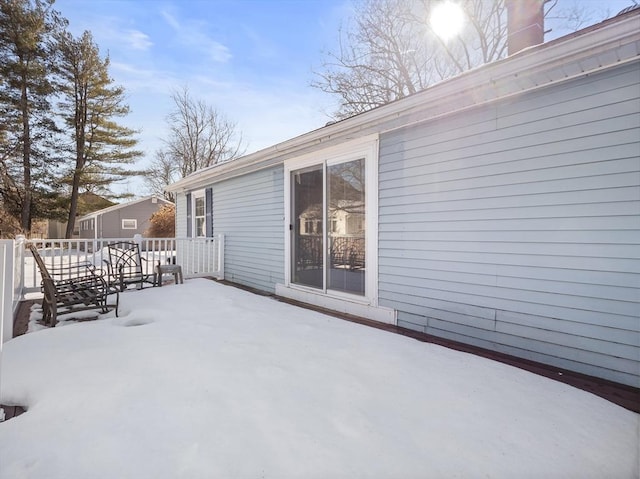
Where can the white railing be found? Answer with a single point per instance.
(196, 256)
(11, 268)
(4, 246)
(11, 274)
(6, 286)
(19, 274)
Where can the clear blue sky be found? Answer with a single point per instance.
(252, 59)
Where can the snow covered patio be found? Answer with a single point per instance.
(204, 380)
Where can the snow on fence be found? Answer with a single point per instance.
(197, 256)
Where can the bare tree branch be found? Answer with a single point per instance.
(199, 136)
(390, 50)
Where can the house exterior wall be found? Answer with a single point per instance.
(109, 223)
(56, 229)
(86, 228)
(508, 205)
(515, 226)
(181, 216)
(249, 211)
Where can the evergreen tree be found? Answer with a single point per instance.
(100, 147)
(25, 118)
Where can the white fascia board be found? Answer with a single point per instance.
(89, 216)
(532, 68)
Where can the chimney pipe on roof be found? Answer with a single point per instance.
(525, 24)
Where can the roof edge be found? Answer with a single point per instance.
(120, 205)
(524, 65)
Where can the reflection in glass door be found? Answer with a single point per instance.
(346, 219)
(308, 256)
(328, 224)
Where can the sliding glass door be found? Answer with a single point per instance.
(329, 226)
(308, 250)
(346, 231)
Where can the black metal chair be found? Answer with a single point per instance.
(126, 266)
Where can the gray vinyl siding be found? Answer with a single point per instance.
(108, 222)
(516, 226)
(249, 211)
(111, 222)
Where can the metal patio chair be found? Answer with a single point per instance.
(69, 288)
(126, 266)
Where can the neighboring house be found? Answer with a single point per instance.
(501, 207)
(120, 221)
(87, 203)
(56, 229)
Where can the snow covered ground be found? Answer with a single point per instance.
(203, 380)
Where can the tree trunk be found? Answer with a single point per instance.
(25, 217)
(80, 121)
(73, 206)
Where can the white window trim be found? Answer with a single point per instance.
(135, 224)
(194, 195)
(367, 305)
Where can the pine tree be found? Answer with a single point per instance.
(25, 118)
(100, 147)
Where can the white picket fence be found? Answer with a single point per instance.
(19, 274)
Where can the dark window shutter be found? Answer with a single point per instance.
(189, 217)
(208, 201)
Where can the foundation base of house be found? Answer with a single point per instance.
(339, 305)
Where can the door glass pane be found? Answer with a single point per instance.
(308, 262)
(346, 220)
